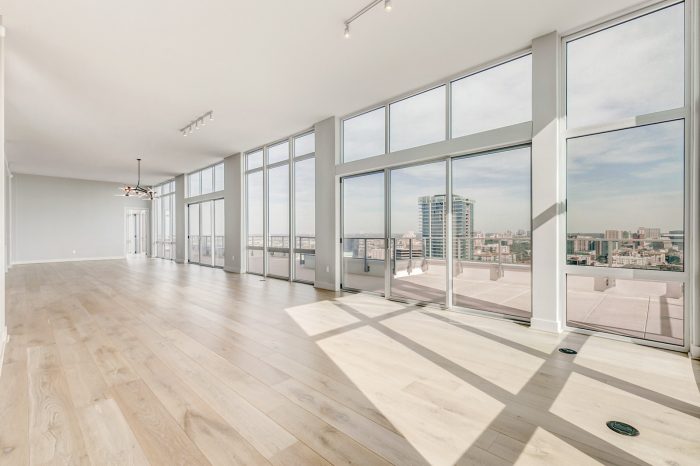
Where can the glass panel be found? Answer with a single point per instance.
(651, 310)
(254, 160)
(278, 264)
(305, 144)
(219, 177)
(194, 188)
(625, 198)
(630, 69)
(364, 135)
(364, 246)
(173, 214)
(193, 232)
(219, 233)
(494, 98)
(205, 233)
(492, 246)
(165, 189)
(167, 226)
(417, 120)
(278, 220)
(255, 261)
(305, 216)
(418, 241)
(278, 153)
(254, 209)
(207, 180)
(305, 267)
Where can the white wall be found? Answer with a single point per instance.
(52, 217)
(3, 329)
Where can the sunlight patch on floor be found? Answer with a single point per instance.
(506, 367)
(667, 436)
(675, 370)
(386, 372)
(320, 317)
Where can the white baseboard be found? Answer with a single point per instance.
(545, 325)
(695, 351)
(325, 286)
(72, 259)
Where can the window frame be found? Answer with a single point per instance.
(383, 159)
(689, 176)
(290, 161)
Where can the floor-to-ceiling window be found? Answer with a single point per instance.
(305, 208)
(278, 210)
(205, 216)
(458, 220)
(280, 205)
(626, 172)
(163, 218)
(255, 216)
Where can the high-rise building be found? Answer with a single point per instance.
(431, 214)
(613, 234)
(649, 233)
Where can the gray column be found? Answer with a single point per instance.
(180, 220)
(547, 304)
(327, 205)
(234, 250)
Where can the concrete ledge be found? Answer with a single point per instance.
(551, 326)
(72, 259)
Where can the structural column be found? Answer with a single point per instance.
(234, 247)
(327, 205)
(3, 250)
(180, 220)
(547, 189)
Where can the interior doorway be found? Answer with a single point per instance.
(136, 232)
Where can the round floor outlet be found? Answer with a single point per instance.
(622, 428)
(568, 351)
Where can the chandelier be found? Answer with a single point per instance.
(142, 192)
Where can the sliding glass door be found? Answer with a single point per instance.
(193, 233)
(477, 257)
(206, 233)
(364, 243)
(419, 232)
(492, 245)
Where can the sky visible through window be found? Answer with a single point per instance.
(627, 70)
(498, 184)
(623, 180)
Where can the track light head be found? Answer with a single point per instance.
(387, 5)
(347, 31)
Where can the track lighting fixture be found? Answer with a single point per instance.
(197, 123)
(369, 6)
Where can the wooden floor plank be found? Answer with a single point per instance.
(160, 437)
(54, 432)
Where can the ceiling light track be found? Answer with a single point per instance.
(368, 7)
(197, 123)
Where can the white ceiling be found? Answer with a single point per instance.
(91, 85)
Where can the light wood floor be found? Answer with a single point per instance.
(149, 362)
